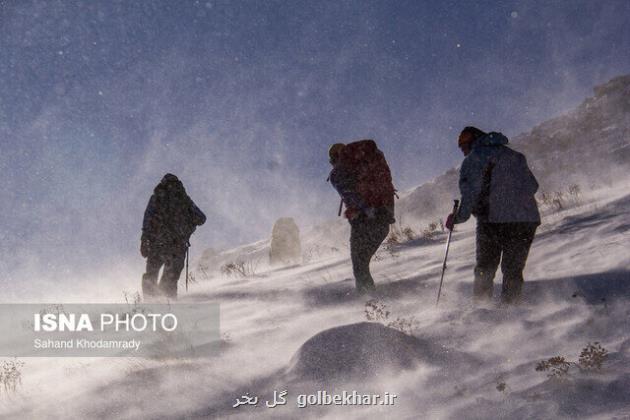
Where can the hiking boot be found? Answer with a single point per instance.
(169, 289)
(363, 289)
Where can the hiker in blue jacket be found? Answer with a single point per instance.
(497, 187)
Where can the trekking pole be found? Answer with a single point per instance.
(187, 248)
(448, 243)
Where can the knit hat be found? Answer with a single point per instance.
(169, 178)
(334, 151)
(468, 135)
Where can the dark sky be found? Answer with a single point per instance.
(241, 99)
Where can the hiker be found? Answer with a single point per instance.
(170, 219)
(362, 178)
(498, 188)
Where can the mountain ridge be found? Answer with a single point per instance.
(555, 150)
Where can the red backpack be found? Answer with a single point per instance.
(373, 177)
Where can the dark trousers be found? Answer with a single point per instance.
(366, 235)
(173, 263)
(507, 243)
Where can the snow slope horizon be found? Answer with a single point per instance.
(39, 279)
(588, 147)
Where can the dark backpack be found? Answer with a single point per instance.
(367, 164)
(507, 189)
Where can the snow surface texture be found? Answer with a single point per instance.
(303, 329)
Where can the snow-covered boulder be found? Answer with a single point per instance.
(357, 351)
(285, 242)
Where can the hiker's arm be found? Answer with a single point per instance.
(345, 186)
(470, 183)
(148, 227)
(150, 222)
(198, 217)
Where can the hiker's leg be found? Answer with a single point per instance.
(365, 238)
(173, 267)
(488, 258)
(149, 278)
(517, 240)
(360, 255)
(378, 231)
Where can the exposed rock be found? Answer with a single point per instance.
(285, 242)
(363, 350)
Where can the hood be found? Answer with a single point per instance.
(169, 183)
(491, 139)
(168, 178)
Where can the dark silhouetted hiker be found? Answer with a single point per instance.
(498, 188)
(362, 178)
(170, 219)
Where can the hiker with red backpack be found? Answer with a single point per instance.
(362, 178)
(498, 188)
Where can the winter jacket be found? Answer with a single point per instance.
(496, 184)
(363, 179)
(344, 181)
(170, 218)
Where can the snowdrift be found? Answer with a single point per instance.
(356, 350)
(361, 351)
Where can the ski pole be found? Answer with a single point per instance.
(448, 243)
(340, 207)
(187, 248)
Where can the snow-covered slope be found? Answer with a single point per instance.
(302, 329)
(587, 148)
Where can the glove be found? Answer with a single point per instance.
(450, 222)
(144, 247)
(351, 214)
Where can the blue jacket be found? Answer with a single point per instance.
(496, 184)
